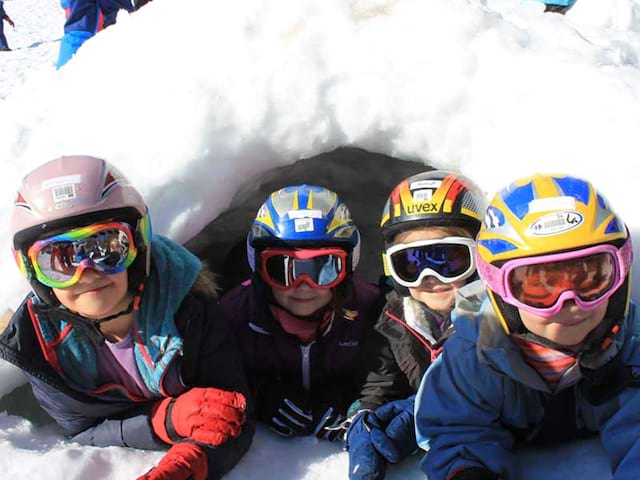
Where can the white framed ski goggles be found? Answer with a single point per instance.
(448, 259)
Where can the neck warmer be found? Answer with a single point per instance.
(306, 330)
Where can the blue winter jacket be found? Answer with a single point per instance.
(480, 393)
(178, 332)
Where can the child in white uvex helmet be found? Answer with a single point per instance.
(429, 223)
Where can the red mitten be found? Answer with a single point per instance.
(183, 461)
(206, 415)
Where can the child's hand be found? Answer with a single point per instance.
(397, 440)
(365, 462)
(183, 461)
(206, 415)
(284, 408)
(330, 423)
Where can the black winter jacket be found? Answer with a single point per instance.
(328, 368)
(397, 355)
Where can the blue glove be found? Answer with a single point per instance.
(365, 463)
(375, 438)
(398, 440)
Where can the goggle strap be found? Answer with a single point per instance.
(386, 264)
(137, 299)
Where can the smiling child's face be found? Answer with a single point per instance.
(432, 292)
(569, 327)
(96, 295)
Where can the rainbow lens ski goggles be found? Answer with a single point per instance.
(542, 284)
(287, 268)
(448, 259)
(58, 261)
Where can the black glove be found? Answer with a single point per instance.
(330, 410)
(329, 422)
(285, 408)
(475, 473)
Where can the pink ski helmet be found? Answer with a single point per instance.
(71, 192)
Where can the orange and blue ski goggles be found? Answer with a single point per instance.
(58, 261)
(288, 268)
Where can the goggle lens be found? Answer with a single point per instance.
(540, 285)
(446, 259)
(58, 261)
(321, 268)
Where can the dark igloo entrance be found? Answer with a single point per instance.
(362, 179)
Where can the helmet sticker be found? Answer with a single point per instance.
(421, 184)
(304, 225)
(63, 189)
(424, 195)
(556, 223)
(304, 213)
(63, 193)
(60, 181)
(553, 203)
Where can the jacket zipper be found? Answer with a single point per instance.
(306, 366)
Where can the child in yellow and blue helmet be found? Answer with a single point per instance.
(550, 350)
(301, 317)
(429, 223)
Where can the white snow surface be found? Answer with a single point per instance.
(194, 99)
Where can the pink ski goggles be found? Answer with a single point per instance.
(542, 284)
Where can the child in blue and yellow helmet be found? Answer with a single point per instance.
(301, 317)
(549, 351)
(428, 223)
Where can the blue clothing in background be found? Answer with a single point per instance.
(84, 19)
(3, 40)
(558, 3)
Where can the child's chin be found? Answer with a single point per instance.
(438, 301)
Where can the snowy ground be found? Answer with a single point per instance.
(194, 100)
(35, 42)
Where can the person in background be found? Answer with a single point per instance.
(301, 317)
(84, 18)
(127, 349)
(429, 224)
(557, 6)
(550, 350)
(4, 46)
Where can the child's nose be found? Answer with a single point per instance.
(89, 274)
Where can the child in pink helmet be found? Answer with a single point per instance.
(121, 338)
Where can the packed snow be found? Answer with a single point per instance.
(194, 100)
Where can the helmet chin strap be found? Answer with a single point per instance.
(91, 326)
